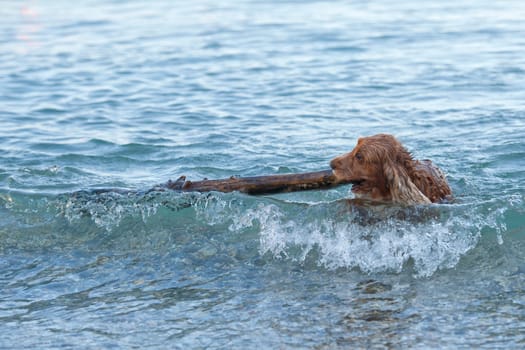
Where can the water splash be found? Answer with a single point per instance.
(380, 240)
(382, 246)
(334, 234)
(330, 234)
(108, 209)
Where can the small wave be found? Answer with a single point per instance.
(334, 234)
(385, 246)
(374, 239)
(108, 208)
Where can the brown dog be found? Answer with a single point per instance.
(381, 169)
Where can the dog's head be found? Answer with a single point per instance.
(378, 168)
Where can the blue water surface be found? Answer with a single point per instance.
(128, 94)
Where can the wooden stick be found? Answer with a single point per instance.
(260, 184)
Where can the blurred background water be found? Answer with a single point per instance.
(128, 94)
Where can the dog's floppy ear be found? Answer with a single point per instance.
(401, 187)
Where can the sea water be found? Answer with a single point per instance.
(128, 94)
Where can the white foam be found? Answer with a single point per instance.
(429, 239)
(373, 240)
(384, 246)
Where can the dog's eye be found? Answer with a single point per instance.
(359, 157)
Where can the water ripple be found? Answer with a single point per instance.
(126, 95)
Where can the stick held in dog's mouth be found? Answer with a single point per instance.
(267, 184)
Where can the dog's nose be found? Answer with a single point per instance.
(335, 163)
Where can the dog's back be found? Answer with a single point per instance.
(431, 181)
